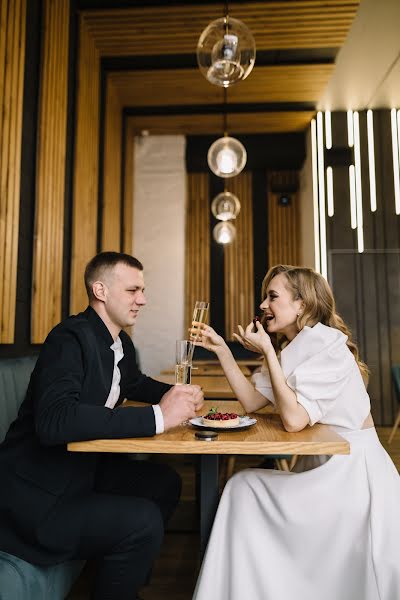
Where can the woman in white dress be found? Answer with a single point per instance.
(330, 530)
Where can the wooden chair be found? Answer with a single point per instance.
(396, 384)
(283, 462)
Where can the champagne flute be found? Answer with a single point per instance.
(200, 315)
(183, 364)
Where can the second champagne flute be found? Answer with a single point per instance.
(183, 365)
(200, 315)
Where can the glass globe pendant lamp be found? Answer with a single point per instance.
(226, 51)
(227, 157)
(225, 206)
(224, 233)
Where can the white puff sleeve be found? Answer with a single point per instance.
(262, 382)
(320, 380)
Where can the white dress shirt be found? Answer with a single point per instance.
(113, 396)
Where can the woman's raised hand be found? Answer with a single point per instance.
(205, 336)
(258, 341)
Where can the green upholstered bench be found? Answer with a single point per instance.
(20, 580)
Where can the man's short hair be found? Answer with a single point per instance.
(106, 261)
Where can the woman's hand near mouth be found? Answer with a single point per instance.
(256, 342)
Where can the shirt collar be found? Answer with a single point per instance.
(117, 345)
(99, 326)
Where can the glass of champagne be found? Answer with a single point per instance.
(183, 365)
(200, 315)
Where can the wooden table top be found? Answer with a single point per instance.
(213, 386)
(266, 437)
(209, 370)
(249, 362)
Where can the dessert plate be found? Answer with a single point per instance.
(243, 424)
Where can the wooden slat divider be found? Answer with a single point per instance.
(50, 164)
(197, 265)
(127, 223)
(239, 259)
(12, 60)
(86, 165)
(111, 214)
(12, 134)
(283, 221)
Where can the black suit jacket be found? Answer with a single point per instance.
(65, 402)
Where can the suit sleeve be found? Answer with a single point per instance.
(138, 386)
(60, 415)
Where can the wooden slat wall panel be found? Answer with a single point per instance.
(201, 124)
(279, 83)
(283, 223)
(239, 260)
(12, 59)
(86, 166)
(127, 223)
(176, 29)
(111, 225)
(50, 182)
(197, 266)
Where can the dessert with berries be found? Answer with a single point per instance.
(218, 419)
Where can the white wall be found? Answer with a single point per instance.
(159, 242)
(307, 210)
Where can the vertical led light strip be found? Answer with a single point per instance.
(395, 148)
(329, 192)
(357, 160)
(397, 205)
(315, 194)
(371, 159)
(352, 177)
(328, 130)
(321, 195)
(329, 171)
(353, 208)
(350, 128)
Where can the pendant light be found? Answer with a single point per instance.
(227, 156)
(225, 206)
(226, 51)
(224, 233)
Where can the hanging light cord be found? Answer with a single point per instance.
(225, 112)
(225, 123)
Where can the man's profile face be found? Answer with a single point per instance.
(124, 294)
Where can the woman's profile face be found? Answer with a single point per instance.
(280, 309)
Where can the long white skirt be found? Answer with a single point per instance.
(329, 533)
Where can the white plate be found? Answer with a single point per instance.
(243, 424)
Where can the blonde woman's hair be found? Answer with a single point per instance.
(319, 305)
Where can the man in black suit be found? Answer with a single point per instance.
(56, 505)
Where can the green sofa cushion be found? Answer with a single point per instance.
(20, 580)
(14, 379)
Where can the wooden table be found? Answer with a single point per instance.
(266, 437)
(214, 386)
(209, 370)
(250, 362)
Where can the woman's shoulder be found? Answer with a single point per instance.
(325, 334)
(317, 343)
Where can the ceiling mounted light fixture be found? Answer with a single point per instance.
(225, 206)
(226, 51)
(224, 233)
